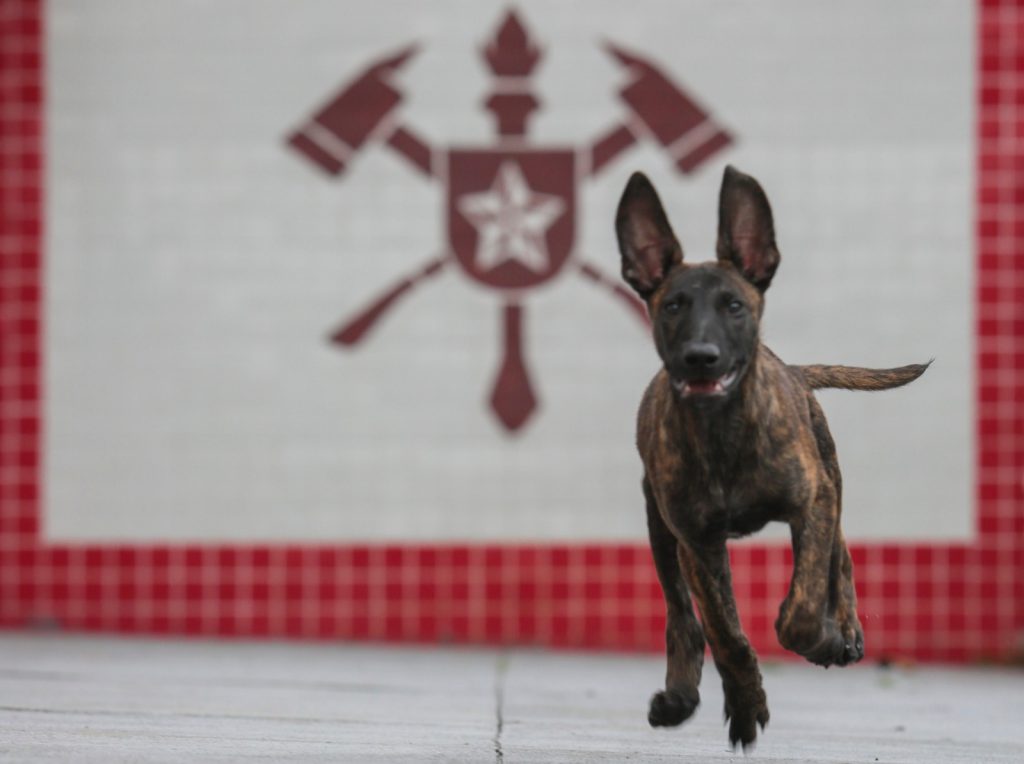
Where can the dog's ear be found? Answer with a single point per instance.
(649, 248)
(746, 233)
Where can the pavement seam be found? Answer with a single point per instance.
(501, 671)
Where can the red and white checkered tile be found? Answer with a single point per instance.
(946, 601)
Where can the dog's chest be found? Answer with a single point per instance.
(717, 506)
(729, 498)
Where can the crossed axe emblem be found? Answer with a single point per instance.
(511, 207)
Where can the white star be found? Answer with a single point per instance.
(511, 221)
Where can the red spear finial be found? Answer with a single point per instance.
(511, 55)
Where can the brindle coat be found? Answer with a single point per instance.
(732, 438)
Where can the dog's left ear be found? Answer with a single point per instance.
(648, 247)
(746, 233)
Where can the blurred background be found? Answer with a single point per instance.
(312, 322)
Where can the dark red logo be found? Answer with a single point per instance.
(511, 207)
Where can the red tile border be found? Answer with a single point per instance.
(950, 602)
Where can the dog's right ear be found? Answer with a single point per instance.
(649, 248)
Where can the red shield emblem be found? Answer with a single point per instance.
(510, 209)
(511, 214)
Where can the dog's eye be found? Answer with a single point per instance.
(735, 307)
(671, 307)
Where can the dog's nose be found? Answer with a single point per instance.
(700, 355)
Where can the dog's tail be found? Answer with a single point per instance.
(856, 378)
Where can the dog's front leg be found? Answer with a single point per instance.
(707, 569)
(684, 638)
(805, 624)
(844, 601)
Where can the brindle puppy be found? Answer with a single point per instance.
(732, 438)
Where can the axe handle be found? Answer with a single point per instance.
(610, 145)
(353, 330)
(630, 300)
(408, 145)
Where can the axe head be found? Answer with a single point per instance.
(340, 128)
(668, 112)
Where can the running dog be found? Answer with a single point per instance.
(732, 438)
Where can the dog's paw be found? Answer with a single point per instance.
(853, 643)
(670, 708)
(745, 715)
(825, 643)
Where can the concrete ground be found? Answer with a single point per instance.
(103, 699)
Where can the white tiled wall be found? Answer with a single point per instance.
(195, 266)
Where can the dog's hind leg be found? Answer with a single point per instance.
(707, 569)
(684, 638)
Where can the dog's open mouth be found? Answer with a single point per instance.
(698, 387)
